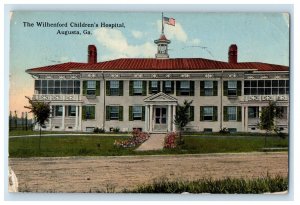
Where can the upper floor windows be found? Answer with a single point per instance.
(266, 87)
(208, 88)
(137, 87)
(57, 87)
(91, 88)
(168, 87)
(232, 88)
(114, 88)
(186, 88)
(154, 87)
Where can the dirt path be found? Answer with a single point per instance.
(84, 174)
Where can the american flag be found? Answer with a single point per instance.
(169, 21)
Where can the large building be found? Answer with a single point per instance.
(143, 93)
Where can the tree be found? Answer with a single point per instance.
(16, 119)
(267, 118)
(10, 121)
(182, 117)
(41, 113)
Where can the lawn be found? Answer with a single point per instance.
(102, 145)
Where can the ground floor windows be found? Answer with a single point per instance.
(88, 112)
(71, 110)
(57, 110)
(136, 113)
(253, 112)
(114, 113)
(208, 113)
(232, 113)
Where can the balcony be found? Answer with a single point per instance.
(56, 97)
(266, 98)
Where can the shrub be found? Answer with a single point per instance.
(224, 131)
(99, 130)
(137, 138)
(170, 140)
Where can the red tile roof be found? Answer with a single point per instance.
(145, 64)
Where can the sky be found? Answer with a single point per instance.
(260, 37)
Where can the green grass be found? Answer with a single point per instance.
(223, 186)
(102, 145)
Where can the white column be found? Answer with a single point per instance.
(50, 118)
(79, 117)
(146, 118)
(76, 118)
(174, 112)
(150, 118)
(169, 118)
(63, 118)
(246, 118)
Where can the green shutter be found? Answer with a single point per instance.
(120, 113)
(239, 88)
(225, 115)
(121, 88)
(149, 87)
(97, 88)
(177, 88)
(107, 113)
(130, 114)
(158, 86)
(143, 113)
(239, 113)
(84, 86)
(107, 88)
(201, 113)
(192, 88)
(131, 88)
(215, 83)
(92, 112)
(215, 113)
(202, 88)
(172, 87)
(225, 88)
(144, 92)
(83, 115)
(192, 113)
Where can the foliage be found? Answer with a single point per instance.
(224, 131)
(137, 138)
(99, 130)
(268, 115)
(170, 140)
(182, 116)
(219, 186)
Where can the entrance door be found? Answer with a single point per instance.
(160, 119)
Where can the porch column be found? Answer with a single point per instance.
(169, 118)
(76, 118)
(50, 118)
(146, 118)
(80, 116)
(246, 118)
(150, 118)
(174, 113)
(63, 117)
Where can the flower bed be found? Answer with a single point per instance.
(170, 140)
(137, 138)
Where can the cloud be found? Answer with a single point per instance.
(173, 32)
(137, 34)
(117, 44)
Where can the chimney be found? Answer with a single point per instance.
(92, 54)
(232, 53)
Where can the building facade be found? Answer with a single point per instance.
(143, 92)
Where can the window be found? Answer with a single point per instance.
(283, 110)
(266, 87)
(57, 87)
(253, 112)
(114, 87)
(231, 113)
(208, 88)
(137, 112)
(168, 87)
(37, 86)
(232, 88)
(76, 86)
(58, 110)
(114, 112)
(137, 87)
(208, 113)
(154, 86)
(88, 112)
(91, 87)
(71, 110)
(184, 88)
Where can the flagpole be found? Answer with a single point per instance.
(162, 22)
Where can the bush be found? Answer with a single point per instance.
(137, 138)
(224, 131)
(170, 140)
(99, 130)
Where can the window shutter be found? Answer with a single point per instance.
(225, 88)
(239, 88)
(84, 86)
(149, 87)
(108, 88)
(107, 113)
(121, 88)
(177, 88)
(130, 114)
(192, 88)
(215, 88)
(97, 88)
(225, 115)
(172, 87)
(202, 88)
(120, 113)
(215, 113)
(92, 110)
(131, 88)
(239, 113)
(143, 113)
(192, 113)
(83, 115)
(201, 113)
(158, 86)
(144, 92)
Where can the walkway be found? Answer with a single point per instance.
(155, 142)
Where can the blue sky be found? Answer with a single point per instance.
(260, 37)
